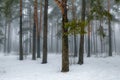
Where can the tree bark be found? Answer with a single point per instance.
(110, 31)
(20, 37)
(74, 18)
(65, 58)
(44, 60)
(81, 49)
(35, 30)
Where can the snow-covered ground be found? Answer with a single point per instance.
(93, 69)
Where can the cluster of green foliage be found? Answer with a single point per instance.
(101, 32)
(117, 1)
(6, 8)
(98, 11)
(76, 27)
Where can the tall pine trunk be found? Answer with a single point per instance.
(20, 37)
(110, 31)
(65, 58)
(89, 52)
(81, 49)
(44, 60)
(74, 18)
(35, 30)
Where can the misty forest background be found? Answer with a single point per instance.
(73, 28)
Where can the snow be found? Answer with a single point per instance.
(94, 68)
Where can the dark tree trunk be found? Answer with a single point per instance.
(89, 32)
(88, 55)
(39, 32)
(44, 60)
(34, 42)
(38, 45)
(20, 37)
(74, 18)
(110, 38)
(65, 58)
(81, 50)
(110, 31)
(35, 30)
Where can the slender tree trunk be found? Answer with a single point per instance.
(88, 55)
(44, 60)
(39, 31)
(81, 50)
(51, 47)
(20, 37)
(74, 18)
(34, 43)
(8, 44)
(114, 41)
(89, 52)
(57, 42)
(5, 36)
(95, 39)
(110, 31)
(30, 36)
(35, 30)
(101, 37)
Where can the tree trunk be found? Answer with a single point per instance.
(88, 55)
(44, 60)
(35, 30)
(81, 49)
(65, 58)
(110, 31)
(20, 37)
(5, 36)
(30, 36)
(8, 44)
(74, 18)
(89, 36)
(39, 31)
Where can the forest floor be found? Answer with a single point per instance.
(94, 68)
